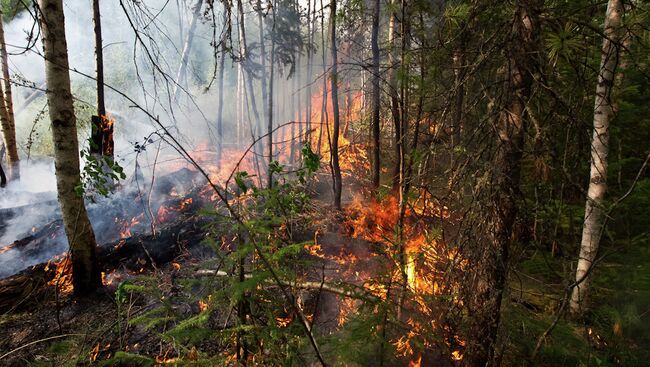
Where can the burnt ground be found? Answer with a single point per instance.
(48, 328)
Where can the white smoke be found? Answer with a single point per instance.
(128, 67)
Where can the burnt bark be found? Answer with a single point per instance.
(336, 169)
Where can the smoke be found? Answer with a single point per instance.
(142, 64)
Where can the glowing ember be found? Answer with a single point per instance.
(456, 355)
(283, 321)
(202, 305)
(416, 362)
(94, 353)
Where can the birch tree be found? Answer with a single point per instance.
(7, 110)
(594, 211)
(86, 275)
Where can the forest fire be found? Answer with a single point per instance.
(166, 213)
(126, 226)
(352, 153)
(378, 222)
(295, 183)
(62, 278)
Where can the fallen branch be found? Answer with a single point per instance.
(300, 285)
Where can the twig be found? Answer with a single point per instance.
(36, 342)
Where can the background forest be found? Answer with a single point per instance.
(345, 183)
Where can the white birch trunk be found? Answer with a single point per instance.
(6, 104)
(594, 211)
(85, 270)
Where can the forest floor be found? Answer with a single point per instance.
(58, 330)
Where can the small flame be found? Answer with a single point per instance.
(94, 353)
(416, 362)
(283, 321)
(456, 355)
(202, 305)
(62, 279)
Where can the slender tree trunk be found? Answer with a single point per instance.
(594, 211)
(6, 104)
(348, 108)
(393, 93)
(3, 177)
(404, 118)
(376, 167)
(335, 110)
(103, 136)
(243, 55)
(310, 55)
(97, 122)
(269, 127)
(458, 60)
(491, 259)
(248, 79)
(181, 75)
(222, 64)
(299, 110)
(324, 116)
(220, 108)
(260, 21)
(85, 269)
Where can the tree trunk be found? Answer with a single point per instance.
(491, 262)
(222, 64)
(85, 269)
(324, 116)
(97, 122)
(458, 60)
(3, 177)
(260, 21)
(310, 55)
(181, 76)
(247, 77)
(594, 211)
(269, 127)
(375, 95)
(7, 116)
(335, 111)
(392, 91)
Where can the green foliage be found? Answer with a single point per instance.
(246, 285)
(281, 29)
(565, 43)
(457, 13)
(99, 173)
(130, 359)
(11, 8)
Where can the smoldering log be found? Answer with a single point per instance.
(28, 287)
(45, 235)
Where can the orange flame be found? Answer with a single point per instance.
(62, 279)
